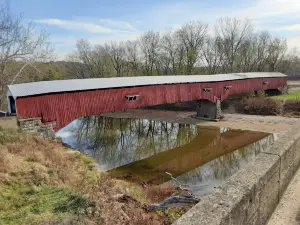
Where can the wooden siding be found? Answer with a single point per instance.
(65, 107)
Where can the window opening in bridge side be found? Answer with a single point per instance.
(132, 97)
(206, 89)
(227, 88)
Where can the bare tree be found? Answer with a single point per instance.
(90, 61)
(132, 57)
(276, 52)
(101, 62)
(149, 45)
(80, 60)
(171, 53)
(212, 55)
(21, 43)
(192, 36)
(261, 52)
(116, 53)
(232, 33)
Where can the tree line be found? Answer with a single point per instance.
(231, 46)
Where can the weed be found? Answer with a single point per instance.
(74, 204)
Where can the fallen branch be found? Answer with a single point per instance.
(180, 185)
(171, 202)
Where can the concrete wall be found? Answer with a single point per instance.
(36, 127)
(250, 196)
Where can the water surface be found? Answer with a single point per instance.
(141, 150)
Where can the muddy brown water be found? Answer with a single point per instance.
(141, 150)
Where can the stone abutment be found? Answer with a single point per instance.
(36, 127)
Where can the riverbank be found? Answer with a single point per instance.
(43, 182)
(271, 124)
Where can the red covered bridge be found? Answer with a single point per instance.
(63, 101)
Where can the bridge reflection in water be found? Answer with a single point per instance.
(142, 150)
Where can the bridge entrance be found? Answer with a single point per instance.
(12, 105)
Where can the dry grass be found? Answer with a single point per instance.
(158, 193)
(42, 182)
(9, 122)
(291, 108)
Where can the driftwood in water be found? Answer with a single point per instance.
(188, 198)
(172, 201)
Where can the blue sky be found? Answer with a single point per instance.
(100, 21)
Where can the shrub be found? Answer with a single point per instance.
(259, 106)
(291, 107)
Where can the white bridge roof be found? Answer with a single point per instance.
(56, 86)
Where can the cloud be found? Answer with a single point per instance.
(263, 13)
(89, 27)
(294, 27)
(278, 16)
(118, 24)
(271, 8)
(294, 42)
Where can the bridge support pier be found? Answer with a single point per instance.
(284, 90)
(208, 110)
(36, 127)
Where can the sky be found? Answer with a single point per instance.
(102, 21)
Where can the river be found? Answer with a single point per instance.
(142, 150)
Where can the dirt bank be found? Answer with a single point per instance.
(42, 182)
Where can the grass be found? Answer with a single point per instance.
(43, 182)
(292, 96)
(35, 205)
(8, 122)
(39, 181)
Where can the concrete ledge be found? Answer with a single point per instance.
(29, 119)
(251, 195)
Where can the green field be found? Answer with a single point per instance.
(292, 96)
